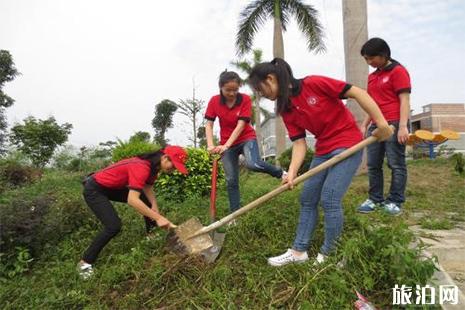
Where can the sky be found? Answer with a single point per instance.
(103, 65)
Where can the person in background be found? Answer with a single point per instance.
(234, 111)
(390, 87)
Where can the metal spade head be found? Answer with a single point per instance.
(179, 240)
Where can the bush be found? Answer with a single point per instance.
(459, 163)
(285, 160)
(196, 184)
(16, 174)
(126, 149)
(37, 218)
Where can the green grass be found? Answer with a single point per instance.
(135, 273)
(436, 224)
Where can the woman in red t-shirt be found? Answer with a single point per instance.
(131, 181)
(234, 111)
(314, 104)
(389, 85)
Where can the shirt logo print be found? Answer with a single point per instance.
(385, 79)
(312, 100)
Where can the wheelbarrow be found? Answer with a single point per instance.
(191, 237)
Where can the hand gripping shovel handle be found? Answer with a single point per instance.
(329, 163)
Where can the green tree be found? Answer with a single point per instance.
(7, 74)
(38, 139)
(163, 120)
(140, 136)
(253, 17)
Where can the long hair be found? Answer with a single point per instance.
(284, 76)
(155, 161)
(376, 47)
(228, 76)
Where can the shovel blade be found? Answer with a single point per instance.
(212, 253)
(179, 242)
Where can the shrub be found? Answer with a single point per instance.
(459, 163)
(30, 226)
(16, 174)
(196, 184)
(126, 149)
(285, 160)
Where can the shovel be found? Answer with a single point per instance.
(212, 253)
(192, 238)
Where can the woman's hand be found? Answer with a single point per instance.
(383, 132)
(162, 222)
(289, 179)
(220, 149)
(402, 134)
(211, 149)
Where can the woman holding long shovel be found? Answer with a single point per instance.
(234, 111)
(314, 104)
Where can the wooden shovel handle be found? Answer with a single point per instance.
(331, 162)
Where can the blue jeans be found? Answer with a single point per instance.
(329, 186)
(395, 153)
(230, 161)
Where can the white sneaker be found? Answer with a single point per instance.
(287, 258)
(320, 259)
(85, 270)
(284, 175)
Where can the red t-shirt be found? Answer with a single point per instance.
(385, 85)
(316, 106)
(133, 173)
(229, 117)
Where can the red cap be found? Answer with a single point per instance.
(178, 157)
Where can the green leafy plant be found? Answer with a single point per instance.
(38, 139)
(285, 160)
(459, 163)
(126, 149)
(196, 184)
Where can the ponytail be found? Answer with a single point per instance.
(284, 77)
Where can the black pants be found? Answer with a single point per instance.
(98, 199)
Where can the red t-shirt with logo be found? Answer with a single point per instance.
(133, 173)
(385, 85)
(316, 106)
(229, 117)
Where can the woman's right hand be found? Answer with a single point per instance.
(211, 149)
(383, 132)
(162, 222)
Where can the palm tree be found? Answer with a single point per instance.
(354, 16)
(254, 15)
(246, 66)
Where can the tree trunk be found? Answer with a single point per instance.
(278, 51)
(355, 35)
(258, 129)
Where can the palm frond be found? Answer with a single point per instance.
(251, 19)
(307, 20)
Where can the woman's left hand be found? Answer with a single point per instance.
(222, 148)
(402, 134)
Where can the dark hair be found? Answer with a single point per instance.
(155, 161)
(283, 73)
(376, 47)
(228, 76)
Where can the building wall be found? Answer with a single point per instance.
(269, 140)
(440, 116)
